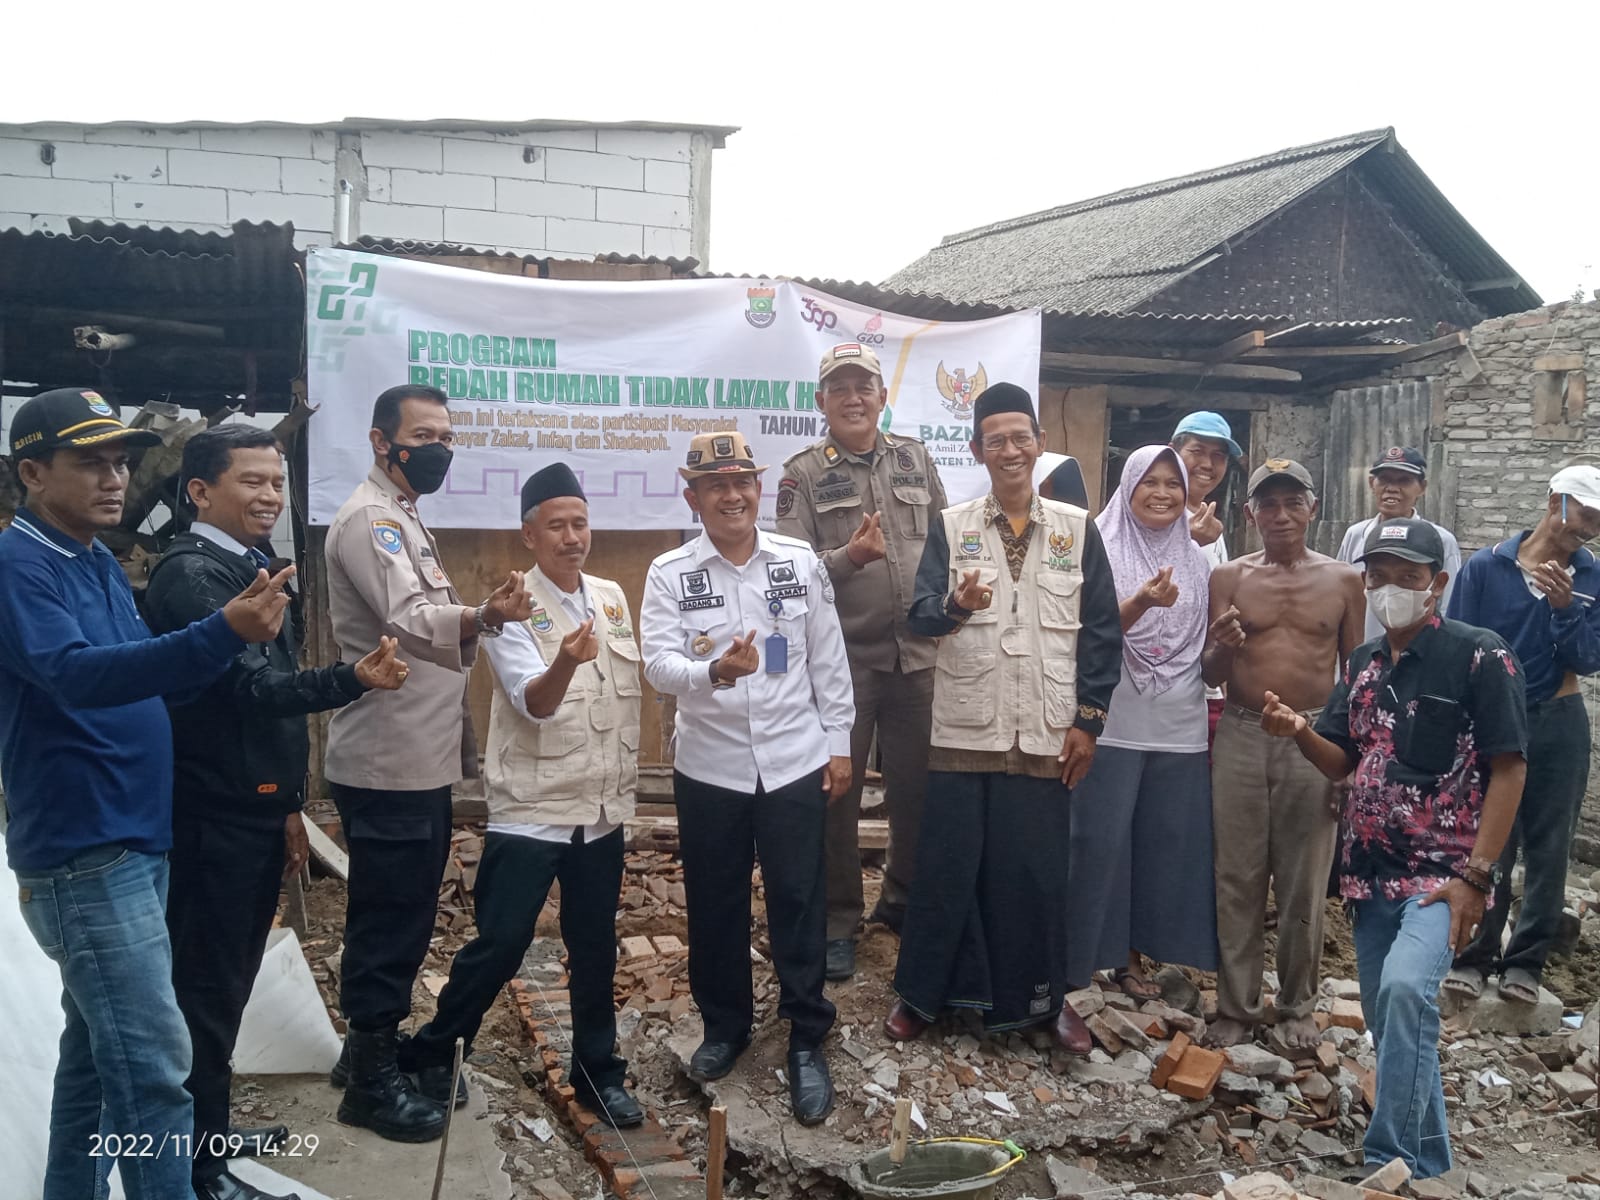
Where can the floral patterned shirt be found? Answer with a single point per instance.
(1421, 731)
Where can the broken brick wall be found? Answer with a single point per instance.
(1504, 419)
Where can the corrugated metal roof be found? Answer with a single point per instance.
(118, 266)
(1118, 250)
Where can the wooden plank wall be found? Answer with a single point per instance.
(1073, 420)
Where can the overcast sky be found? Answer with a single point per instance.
(870, 130)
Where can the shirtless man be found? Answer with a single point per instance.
(1283, 619)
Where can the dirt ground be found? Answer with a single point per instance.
(1165, 1165)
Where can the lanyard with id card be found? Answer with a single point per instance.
(777, 648)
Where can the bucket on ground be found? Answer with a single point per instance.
(947, 1168)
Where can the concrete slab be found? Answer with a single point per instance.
(1489, 1013)
(348, 1163)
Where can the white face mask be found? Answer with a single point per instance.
(1397, 607)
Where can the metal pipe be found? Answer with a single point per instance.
(341, 215)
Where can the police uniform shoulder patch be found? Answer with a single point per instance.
(786, 491)
(388, 535)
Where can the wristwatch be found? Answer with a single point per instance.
(717, 683)
(481, 627)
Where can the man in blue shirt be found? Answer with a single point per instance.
(86, 753)
(1537, 590)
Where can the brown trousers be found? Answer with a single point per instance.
(1271, 823)
(898, 707)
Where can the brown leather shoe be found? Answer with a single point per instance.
(1071, 1034)
(903, 1025)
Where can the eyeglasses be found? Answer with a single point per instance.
(1021, 441)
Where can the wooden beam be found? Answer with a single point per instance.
(716, 1151)
(1276, 353)
(1492, 285)
(1235, 347)
(1442, 345)
(1119, 364)
(1186, 401)
(1272, 337)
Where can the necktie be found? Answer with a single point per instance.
(259, 559)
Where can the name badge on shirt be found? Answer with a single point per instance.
(777, 654)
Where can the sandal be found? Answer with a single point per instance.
(1132, 986)
(1519, 985)
(1466, 982)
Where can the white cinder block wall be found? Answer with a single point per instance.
(568, 191)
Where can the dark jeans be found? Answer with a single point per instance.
(1558, 772)
(513, 882)
(720, 835)
(220, 903)
(398, 845)
(124, 1050)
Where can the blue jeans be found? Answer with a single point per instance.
(119, 1094)
(1402, 954)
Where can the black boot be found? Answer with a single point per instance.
(225, 1185)
(378, 1097)
(340, 1075)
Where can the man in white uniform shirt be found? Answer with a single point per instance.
(560, 768)
(1397, 481)
(739, 625)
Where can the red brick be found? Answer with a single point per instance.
(1197, 1073)
(1169, 1061)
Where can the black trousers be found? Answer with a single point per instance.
(221, 897)
(514, 880)
(1558, 773)
(720, 835)
(398, 845)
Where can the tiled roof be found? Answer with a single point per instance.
(1115, 252)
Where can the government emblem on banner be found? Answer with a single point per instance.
(763, 306)
(959, 390)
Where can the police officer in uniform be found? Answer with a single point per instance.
(393, 756)
(739, 625)
(863, 499)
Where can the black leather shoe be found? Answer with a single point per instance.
(340, 1075)
(840, 960)
(225, 1185)
(612, 1102)
(810, 1086)
(256, 1140)
(713, 1060)
(378, 1097)
(434, 1083)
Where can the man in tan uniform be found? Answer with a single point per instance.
(393, 756)
(863, 499)
(562, 767)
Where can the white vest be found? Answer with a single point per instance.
(583, 762)
(1010, 674)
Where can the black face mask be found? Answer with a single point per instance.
(424, 466)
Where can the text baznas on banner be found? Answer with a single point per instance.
(615, 378)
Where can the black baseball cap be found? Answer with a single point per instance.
(70, 417)
(1410, 538)
(1402, 458)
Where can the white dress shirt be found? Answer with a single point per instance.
(214, 535)
(516, 660)
(768, 729)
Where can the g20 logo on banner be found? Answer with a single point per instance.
(870, 335)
